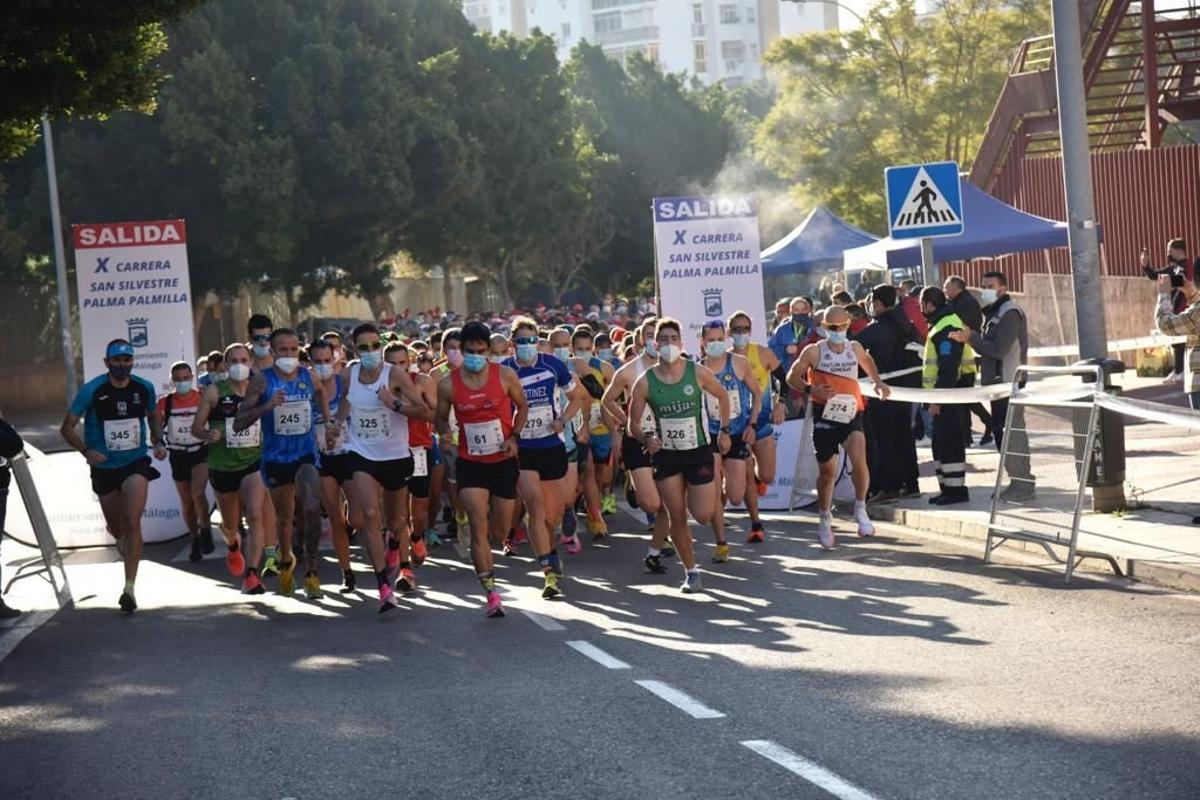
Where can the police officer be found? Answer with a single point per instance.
(946, 361)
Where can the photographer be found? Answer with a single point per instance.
(1177, 271)
(1181, 323)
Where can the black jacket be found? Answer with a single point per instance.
(886, 339)
(968, 310)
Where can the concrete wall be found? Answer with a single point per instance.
(39, 388)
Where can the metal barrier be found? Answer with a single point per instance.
(51, 564)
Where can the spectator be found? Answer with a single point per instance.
(858, 319)
(782, 310)
(1003, 345)
(895, 345)
(967, 308)
(1177, 270)
(842, 298)
(1183, 323)
(789, 336)
(908, 300)
(944, 364)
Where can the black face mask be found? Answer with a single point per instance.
(119, 373)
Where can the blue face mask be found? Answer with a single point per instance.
(604, 355)
(183, 387)
(324, 371)
(527, 352)
(652, 349)
(370, 359)
(120, 373)
(563, 354)
(475, 362)
(715, 348)
(837, 337)
(741, 339)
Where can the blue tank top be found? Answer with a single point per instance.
(540, 382)
(739, 401)
(288, 430)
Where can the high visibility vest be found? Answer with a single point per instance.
(929, 371)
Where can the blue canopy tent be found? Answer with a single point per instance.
(816, 245)
(991, 228)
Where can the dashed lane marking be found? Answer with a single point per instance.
(596, 654)
(811, 771)
(684, 702)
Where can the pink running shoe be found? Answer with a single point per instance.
(393, 557)
(571, 544)
(494, 608)
(387, 598)
(520, 535)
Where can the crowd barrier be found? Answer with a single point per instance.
(51, 564)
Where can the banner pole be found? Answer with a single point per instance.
(60, 265)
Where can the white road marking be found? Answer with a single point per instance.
(684, 702)
(812, 772)
(544, 622)
(596, 654)
(13, 634)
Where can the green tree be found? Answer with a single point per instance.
(64, 57)
(901, 88)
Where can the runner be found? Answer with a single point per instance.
(679, 440)
(379, 457)
(415, 496)
(499, 349)
(595, 375)
(733, 371)
(450, 341)
(604, 350)
(483, 397)
(639, 464)
(233, 467)
(437, 465)
(828, 372)
(335, 464)
(764, 365)
(541, 453)
(188, 456)
(283, 397)
(116, 409)
(258, 331)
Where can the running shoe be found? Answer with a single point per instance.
(825, 533)
(509, 548)
(206, 541)
(270, 566)
(866, 528)
(654, 565)
(349, 582)
(407, 581)
(431, 537)
(571, 544)
(494, 607)
(195, 555)
(462, 542)
(419, 551)
(352, 536)
(761, 488)
(312, 586)
(608, 504)
(287, 578)
(126, 602)
(598, 528)
(253, 584)
(668, 550)
(721, 554)
(387, 598)
(551, 590)
(756, 534)
(519, 535)
(691, 582)
(235, 562)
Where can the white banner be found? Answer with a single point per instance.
(796, 463)
(133, 284)
(706, 251)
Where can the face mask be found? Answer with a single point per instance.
(454, 358)
(324, 371)
(222, 376)
(183, 387)
(474, 362)
(715, 348)
(604, 355)
(563, 354)
(670, 353)
(606, 309)
(496, 359)
(988, 296)
(120, 373)
(261, 350)
(288, 364)
(800, 319)
(821, 332)
(370, 359)
(652, 349)
(527, 352)
(837, 337)
(741, 339)
(239, 372)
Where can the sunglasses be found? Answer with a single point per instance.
(845, 327)
(261, 337)
(526, 340)
(739, 330)
(366, 347)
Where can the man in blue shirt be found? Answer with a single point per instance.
(117, 408)
(789, 336)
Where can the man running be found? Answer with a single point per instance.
(116, 409)
(188, 456)
(380, 461)
(233, 467)
(484, 397)
(595, 377)
(283, 398)
(335, 462)
(764, 365)
(679, 440)
(733, 372)
(827, 371)
(541, 454)
(415, 495)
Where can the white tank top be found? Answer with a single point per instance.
(843, 364)
(648, 423)
(374, 431)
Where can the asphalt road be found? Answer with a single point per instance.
(896, 668)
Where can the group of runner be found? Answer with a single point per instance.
(520, 429)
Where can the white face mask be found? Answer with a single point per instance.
(287, 365)
(239, 372)
(988, 296)
(670, 353)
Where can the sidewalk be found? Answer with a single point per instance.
(1154, 540)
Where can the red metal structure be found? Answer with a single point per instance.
(1142, 72)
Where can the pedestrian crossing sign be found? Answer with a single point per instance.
(924, 200)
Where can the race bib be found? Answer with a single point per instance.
(122, 434)
(647, 419)
(420, 458)
(537, 424)
(371, 425)
(679, 434)
(595, 419)
(179, 430)
(840, 408)
(293, 418)
(251, 437)
(484, 438)
(714, 405)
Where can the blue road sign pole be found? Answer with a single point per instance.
(930, 274)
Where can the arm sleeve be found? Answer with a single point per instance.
(999, 338)
(949, 358)
(1184, 324)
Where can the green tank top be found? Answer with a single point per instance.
(678, 410)
(246, 449)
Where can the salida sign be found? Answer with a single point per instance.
(118, 234)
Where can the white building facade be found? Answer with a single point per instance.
(714, 40)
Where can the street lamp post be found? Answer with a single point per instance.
(60, 265)
(841, 6)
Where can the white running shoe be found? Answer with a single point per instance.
(825, 532)
(866, 528)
